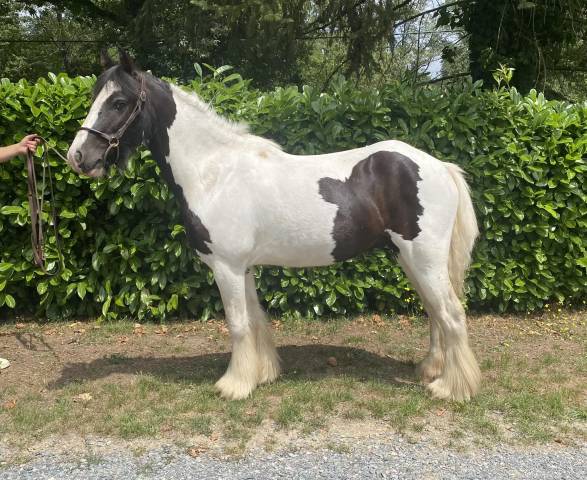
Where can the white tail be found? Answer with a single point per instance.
(464, 232)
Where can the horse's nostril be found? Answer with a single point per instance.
(78, 157)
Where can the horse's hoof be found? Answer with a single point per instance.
(429, 369)
(233, 389)
(441, 389)
(269, 369)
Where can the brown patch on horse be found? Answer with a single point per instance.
(263, 154)
(198, 235)
(380, 194)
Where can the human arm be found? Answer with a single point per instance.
(28, 143)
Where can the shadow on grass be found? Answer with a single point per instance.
(298, 362)
(33, 341)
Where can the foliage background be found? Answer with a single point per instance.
(126, 254)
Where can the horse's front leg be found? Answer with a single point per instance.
(266, 353)
(241, 377)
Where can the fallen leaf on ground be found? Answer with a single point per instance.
(404, 321)
(223, 330)
(377, 320)
(123, 339)
(196, 451)
(162, 330)
(9, 404)
(20, 325)
(138, 329)
(83, 397)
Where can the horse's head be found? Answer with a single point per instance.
(116, 124)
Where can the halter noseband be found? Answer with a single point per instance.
(114, 140)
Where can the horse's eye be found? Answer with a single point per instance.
(119, 105)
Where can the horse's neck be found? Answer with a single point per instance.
(198, 126)
(195, 142)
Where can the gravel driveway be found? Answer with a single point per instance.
(400, 460)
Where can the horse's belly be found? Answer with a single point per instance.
(305, 241)
(295, 255)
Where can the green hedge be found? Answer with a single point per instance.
(126, 254)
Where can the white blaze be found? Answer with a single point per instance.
(78, 142)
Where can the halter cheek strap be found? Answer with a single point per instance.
(114, 139)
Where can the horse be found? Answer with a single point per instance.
(245, 202)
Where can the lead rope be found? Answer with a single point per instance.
(36, 210)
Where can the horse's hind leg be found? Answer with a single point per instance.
(460, 376)
(241, 377)
(268, 359)
(431, 367)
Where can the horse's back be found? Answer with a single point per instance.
(314, 210)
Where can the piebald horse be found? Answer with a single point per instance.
(245, 202)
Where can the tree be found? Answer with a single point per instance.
(276, 39)
(35, 39)
(265, 40)
(276, 42)
(543, 40)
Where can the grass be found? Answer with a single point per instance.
(527, 397)
(152, 407)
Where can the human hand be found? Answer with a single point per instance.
(28, 143)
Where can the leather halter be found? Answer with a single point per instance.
(114, 139)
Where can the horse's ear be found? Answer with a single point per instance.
(105, 59)
(126, 62)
